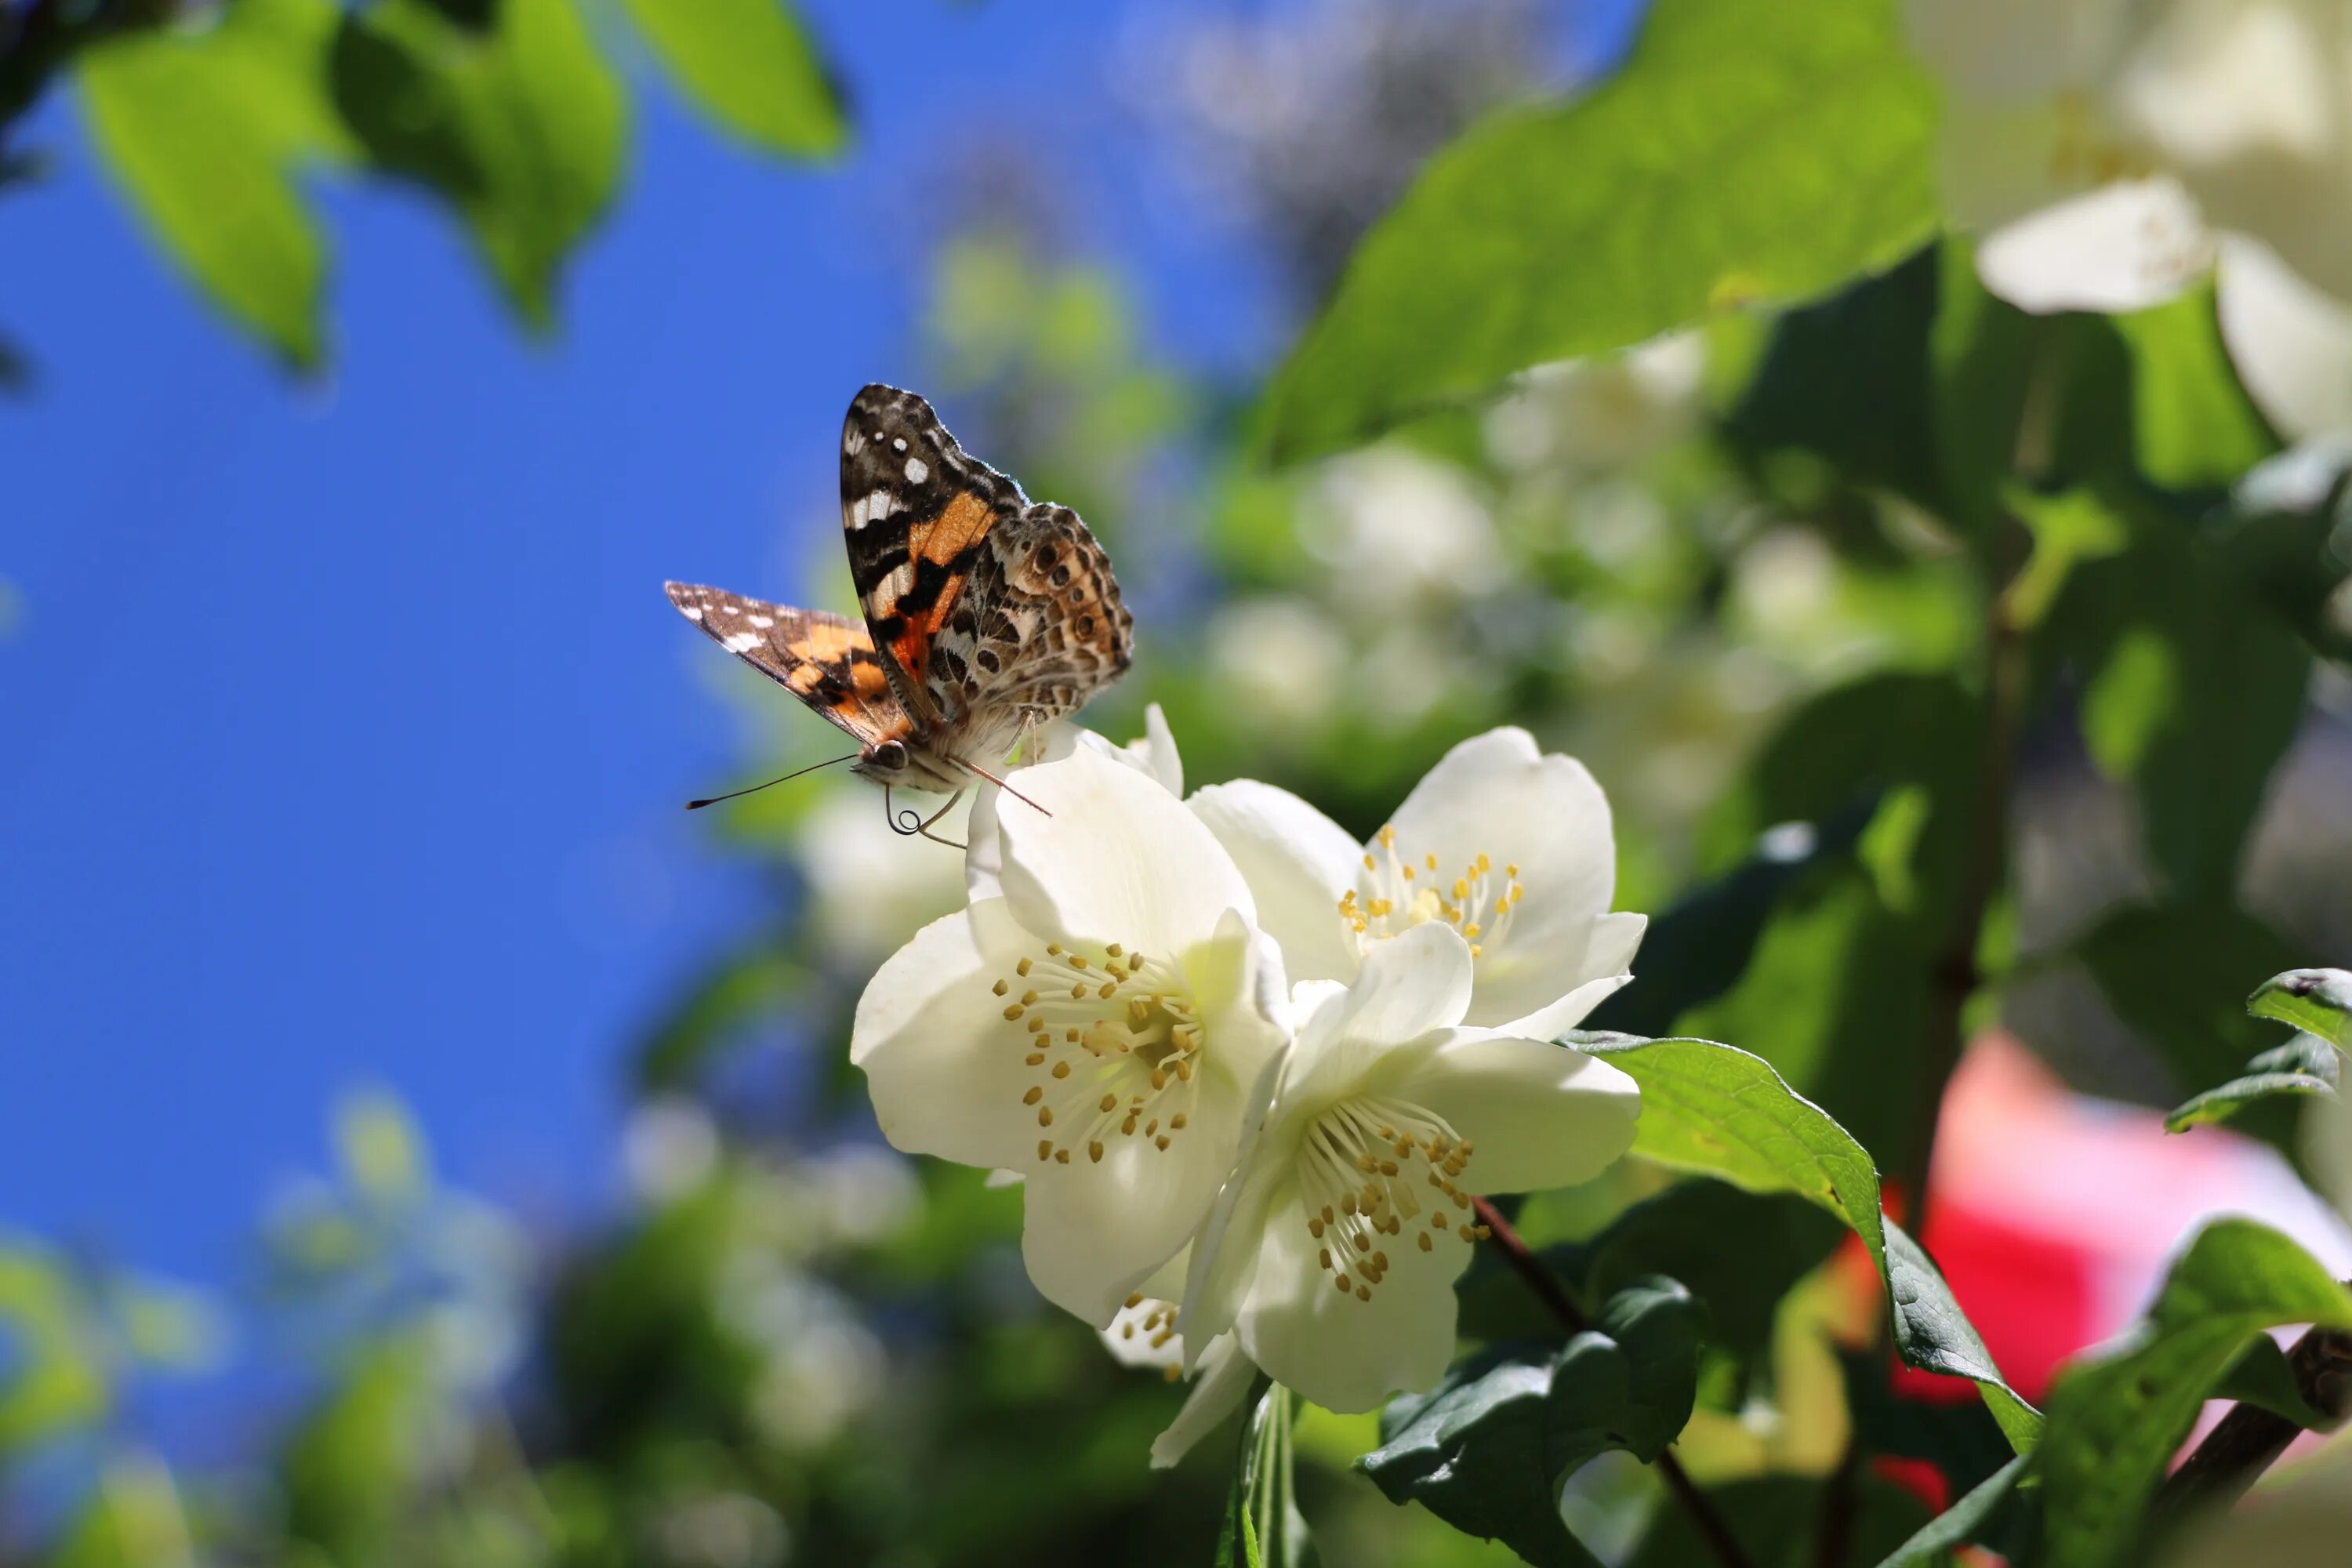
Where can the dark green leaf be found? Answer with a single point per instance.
(1983, 352)
(2305, 1065)
(749, 65)
(2192, 692)
(1960, 1439)
(2287, 535)
(1975, 1517)
(2317, 1001)
(1777, 1519)
(1715, 1109)
(2116, 1416)
(2177, 975)
(1487, 1450)
(1741, 155)
(522, 128)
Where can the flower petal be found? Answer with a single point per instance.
(925, 1033)
(1156, 752)
(1343, 1354)
(1225, 1251)
(1540, 1115)
(1411, 986)
(1236, 982)
(2122, 246)
(1607, 960)
(2292, 344)
(1225, 1376)
(1104, 854)
(1298, 862)
(1095, 1230)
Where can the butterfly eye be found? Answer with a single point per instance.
(890, 754)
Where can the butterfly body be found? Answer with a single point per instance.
(985, 614)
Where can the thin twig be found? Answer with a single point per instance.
(2249, 1439)
(1548, 1288)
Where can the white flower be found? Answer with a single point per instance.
(1333, 1253)
(2111, 152)
(1097, 1019)
(1393, 528)
(1144, 1334)
(1608, 412)
(1510, 847)
(871, 886)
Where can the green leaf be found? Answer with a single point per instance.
(2193, 691)
(1715, 1109)
(1974, 1518)
(202, 131)
(2287, 535)
(1487, 1450)
(1983, 352)
(1742, 156)
(523, 129)
(2263, 1377)
(52, 1379)
(2306, 1066)
(2192, 424)
(1963, 1440)
(750, 66)
(2117, 1416)
(1777, 1519)
(2317, 1001)
(2177, 975)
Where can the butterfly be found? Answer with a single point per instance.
(986, 615)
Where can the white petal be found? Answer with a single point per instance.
(1412, 986)
(1224, 1256)
(1107, 854)
(2292, 344)
(930, 1034)
(1607, 960)
(1156, 751)
(2123, 247)
(1340, 1353)
(1299, 864)
(1539, 1115)
(1225, 1381)
(1236, 983)
(1094, 1231)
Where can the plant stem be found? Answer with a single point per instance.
(1548, 1288)
(2249, 1439)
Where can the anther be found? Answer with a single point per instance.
(1036, 1092)
(1061, 1070)
(1001, 988)
(1094, 1151)
(1045, 1116)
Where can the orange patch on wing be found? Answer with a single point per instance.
(965, 520)
(868, 681)
(823, 642)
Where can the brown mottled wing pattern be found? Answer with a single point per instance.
(989, 614)
(828, 661)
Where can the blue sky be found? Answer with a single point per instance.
(343, 730)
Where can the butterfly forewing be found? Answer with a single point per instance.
(828, 661)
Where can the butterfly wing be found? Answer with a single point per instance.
(988, 613)
(916, 511)
(828, 661)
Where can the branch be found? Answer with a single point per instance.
(1548, 1288)
(2249, 1439)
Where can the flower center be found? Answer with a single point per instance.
(1364, 1171)
(1112, 1043)
(1398, 894)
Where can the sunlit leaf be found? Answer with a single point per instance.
(2192, 424)
(1486, 1449)
(1715, 1109)
(2317, 1001)
(1742, 156)
(2306, 1065)
(2116, 1416)
(750, 66)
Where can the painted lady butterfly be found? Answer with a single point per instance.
(986, 615)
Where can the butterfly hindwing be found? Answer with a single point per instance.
(917, 513)
(828, 661)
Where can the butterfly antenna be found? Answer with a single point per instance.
(1007, 788)
(714, 800)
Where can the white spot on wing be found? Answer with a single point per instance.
(741, 642)
(691, 611)
(917, 471)
(898, 444)
(763, 622)
(881, 504)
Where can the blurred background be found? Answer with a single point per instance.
(422, 1142)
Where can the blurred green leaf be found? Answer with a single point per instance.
(1777, 1519)
(351, 1463)
(1984, 353)
(2305, 1065)
(1975, 1517)
(744, 985)
(2264, 1377)
(1741, 155)
(1961, 1439)
(1720, 1110)
(522, 128)
(2317, 1001)
(2116, 1416)
(2287, 535)
(750, 66)
(2193, 693)
(1263, 1527)
(52, 1376)
(202, 131)
(1486, 1450)
(133, 1519)
(2177, 975)
(2194, 427)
